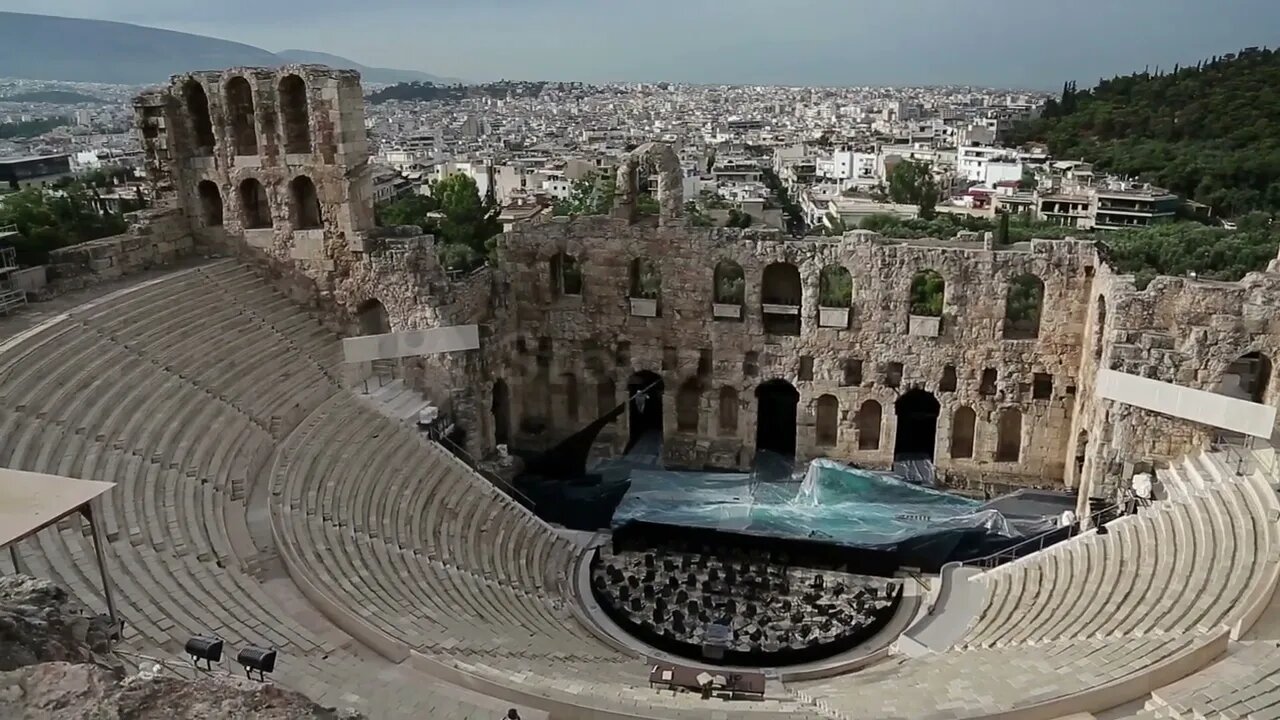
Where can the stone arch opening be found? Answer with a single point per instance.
(1009, 436)
(928, 293)
(606, 396)
(1248, 377)
(644, 413)
(963, 426)
(870, 418)
(630, 202)
(728, 410)
(1023, 305)
(295, 113)
(646, 282)
(197, 102)
(566, 275)
(835, 287)
(305, 206)
(776, 402)
(1099, 328)
(730, 283)
(917, 434)
(688, 406)
(244, 134)
(781, 292)
(371, 317)
(210, 203)
(827, 421)
(255, 208)
(1082, 450)
(501, 409)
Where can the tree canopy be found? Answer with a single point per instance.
(589, 195)
(48, 220)
(912, 183)
(1209, 132)
(465, 226)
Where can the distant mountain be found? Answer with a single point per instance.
(384, 76)
(44, 47)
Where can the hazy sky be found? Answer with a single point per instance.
(1008, 43)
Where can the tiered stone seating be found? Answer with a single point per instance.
(173, 392)
(1245, 684)
(980, 682)
(1189, 562)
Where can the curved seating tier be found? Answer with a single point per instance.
(1190, 562)
(175, 391)
(428, 553)
(980, 682)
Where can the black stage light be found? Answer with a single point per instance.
(208, 649)
(256, 659)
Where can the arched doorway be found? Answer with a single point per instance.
(917, 412)
(372, 318)
(1247, 378)
(644, 408)
(776, 402)
(501, 409)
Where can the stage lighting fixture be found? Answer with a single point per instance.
(256, 659)
(208, 649)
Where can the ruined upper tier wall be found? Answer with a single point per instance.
(595, 339)
(274, 158)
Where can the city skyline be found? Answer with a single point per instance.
(803, 42)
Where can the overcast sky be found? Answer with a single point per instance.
(1005, 43)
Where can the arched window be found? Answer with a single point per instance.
(501, 408)
(646, 283)
(570, 383)
(305, 206)
(210, 203)
(371, 316)
(197, 103)
(566, 275)
(730, 283)
(962, 429)
(1022, 307)
(255, 209)
(606, 396)
(928, 291)
(835, 287)
(1248, 378)
(296, 114)
(827, 417)
(728, 420)
(780, 297)
(687, 406)
(869, 418)
(1009, 436)
(240, 112)
(1099, 328)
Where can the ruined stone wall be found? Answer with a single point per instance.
(549, 341)
(155, 238)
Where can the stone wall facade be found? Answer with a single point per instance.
(155, 238)
(572, 311)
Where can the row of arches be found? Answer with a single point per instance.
(255, 205)
(241, 116)
(777, 403)
(782, 289)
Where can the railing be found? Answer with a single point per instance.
(470, 462)
(1036, 543)
(1244, 459)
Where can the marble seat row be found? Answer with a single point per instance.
(115, 393)
(1185, 563)
(1244, 684)
(981, 682)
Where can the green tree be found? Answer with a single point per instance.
(912, 183)
(465, 227)
(738, 219)
(927, 293)
(48, 220)
(592, 194)
(409, 210)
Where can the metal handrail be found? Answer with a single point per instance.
(1245, 459)
(1014, 552)
(470, 462)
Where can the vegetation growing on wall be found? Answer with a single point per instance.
(835, 287)
(927, 293)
